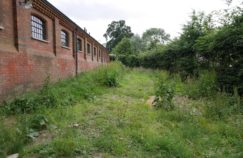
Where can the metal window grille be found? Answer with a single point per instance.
(64, 38)
(38, 28)
(79, 45)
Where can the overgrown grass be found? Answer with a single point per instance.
(67, 92)
(93, 118)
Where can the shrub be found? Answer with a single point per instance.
(164, 94)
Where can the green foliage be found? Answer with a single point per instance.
(110, 125)
(64, 147)
(154, 36)
(116, 31)
(19, 106)
(38, 122)
(123, 48)
(228, 45)
(164, 94)
(110, 75)
(205, 52)
(179, 55)
(129, 47)
(46, 96)
(108, 142)
(111, 79)
(222, 107)
(11, 141)
(138, 44)
(204, 86)
(201, 46)
(130, 60)
(86, 87)
(27, 104)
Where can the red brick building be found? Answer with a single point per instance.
(36, 41)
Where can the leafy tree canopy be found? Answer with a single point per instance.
(123, 48)
(116, 31)
(154, 36)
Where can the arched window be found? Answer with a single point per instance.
(64, 38)
(38, 28)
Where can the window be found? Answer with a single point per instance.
(88, 48)
(64, 38)
(94, 51)
(38, 28)
(79, 45)
(99, 53)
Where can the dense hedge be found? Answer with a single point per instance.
(218, 49)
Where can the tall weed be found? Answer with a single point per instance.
(222, 106)
(11, 140)
(67, 92)
(164, 94)
(204, 86)
(109, 75)
(31, 102)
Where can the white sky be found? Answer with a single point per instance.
(170, 15)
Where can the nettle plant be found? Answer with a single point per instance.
(164, 95)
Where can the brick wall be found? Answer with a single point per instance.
(26, 62)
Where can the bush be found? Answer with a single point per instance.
(164, 94)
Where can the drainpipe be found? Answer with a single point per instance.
(75, 51)
(1, 15)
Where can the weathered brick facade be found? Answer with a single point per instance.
(25, 62)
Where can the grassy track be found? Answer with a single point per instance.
(118, 123)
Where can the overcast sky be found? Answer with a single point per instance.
(170, 15)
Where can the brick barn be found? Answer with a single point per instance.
(36, 41)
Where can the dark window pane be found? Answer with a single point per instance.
(88, 48)
(94, 51)
(79, 45)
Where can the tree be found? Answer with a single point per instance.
(116, 31)
(154, 36)
(228, 46)
(123, 48)
(206, 55)
(138, 44)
